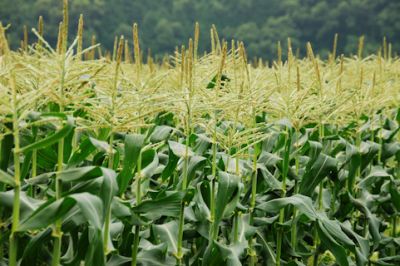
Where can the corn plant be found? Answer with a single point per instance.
(196, 160)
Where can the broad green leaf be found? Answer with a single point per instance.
(271, 181)
(100, 145)
(80, 174)
(117, 260)
(168, 233)
(368, 151)
(353, 158)
(90, 206)
(149, 163)
(222, 254)
(160, 133)
(133, 145)
(195, 162)
(95, 253)
(329, 242)
(154, 255)
(27, 204)
(6, 146)
(34, 250)
(165, 205)
(228, 187)
(6, 178)
(373, 221)
(85, 149)
(319, 169)
(179, 149)
(376, 175)
(302, 203)
(171, 165)
(390, 149)
(49, 140)
(269, 159)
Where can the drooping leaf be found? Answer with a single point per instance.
(179, 149)
(166, 205)
(168, 233)
(319, 169)
(90, 206)
(302, 203)
(133, 145)
(228, 186)
(53, 138)
(5, 178)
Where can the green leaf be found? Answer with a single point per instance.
(195, 162)
(117, 260)
(34, 250)
(153, 255)
(95, 253)
(395, 195)
(319, 169)
(6, 145)
(100, 145)
(85, 149)
(228, 187)
(168, 233)
(171, 165)
(79, 174)
(373, 221)
(160, 133)
(213, 82)
(368, 151)
(54, 138)
(376, 175)
(91, 207)
(165, 205)
(6, 178)
(353, 157)
(221, 254)
(27, 204)
(179, 149)
(133, 145)
(269, 159)
(390, 149)
(149, 163)
(329, 242)
(302, 203)
(272, 183)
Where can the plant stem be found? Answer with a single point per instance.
(179, 255)
(17, 179)
(107, 219)
(57, 232)
(236, 227)
(285, 170)
(253, 255)
(135, 245)
(214, 228)
(185, 164)
(293, 239)
(15, 216)
(320, 201)
(136, 240)
(34, 172)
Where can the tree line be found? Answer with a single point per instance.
(166, 24)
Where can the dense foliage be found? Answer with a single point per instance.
(259, 23)
(200, 160)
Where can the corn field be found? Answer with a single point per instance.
(113, 159)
